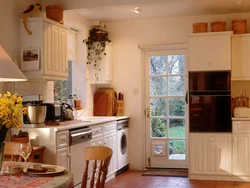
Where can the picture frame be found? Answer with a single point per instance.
(30, 59)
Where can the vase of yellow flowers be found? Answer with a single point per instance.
(11, 110)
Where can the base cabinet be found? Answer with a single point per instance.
(106, 135)
(62, 157)
(210, 154)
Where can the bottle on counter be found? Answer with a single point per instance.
(244, 99)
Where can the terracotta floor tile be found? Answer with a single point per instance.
(134, 179)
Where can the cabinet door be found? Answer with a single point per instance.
(210, 52)
(224, 157)
(240, 57)
(97, 142)
(210, 154)
(55, 51)
(241, 144)
(111, 142)
(196, 154)
(47, 50)
(62, 157)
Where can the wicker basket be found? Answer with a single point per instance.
(218, 26)
(199, 27)
(20, 139)
(55, 12)
(239, 26)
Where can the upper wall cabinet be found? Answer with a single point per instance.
(44, 52)
(241, 57)
(210, 51)
(102, 74)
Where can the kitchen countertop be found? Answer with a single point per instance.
(76, 123)
(240, 119)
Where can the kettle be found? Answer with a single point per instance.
(67, 111)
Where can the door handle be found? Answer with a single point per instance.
(186, 97)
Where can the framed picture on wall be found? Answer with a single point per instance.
(30, 59)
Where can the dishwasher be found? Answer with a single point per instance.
(80, 139)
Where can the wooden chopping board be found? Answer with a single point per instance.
(100, 104)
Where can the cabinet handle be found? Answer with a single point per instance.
(104, 143)
(63, 140)
(96, 132)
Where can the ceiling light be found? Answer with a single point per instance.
(137, 10)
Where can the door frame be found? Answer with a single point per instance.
(160, 47)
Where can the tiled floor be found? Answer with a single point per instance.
(134, 179)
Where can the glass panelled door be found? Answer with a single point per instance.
(167, 123)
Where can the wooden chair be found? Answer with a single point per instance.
(11, 151)
(101, 156)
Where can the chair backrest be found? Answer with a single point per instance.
(100, 156)
(12, 149)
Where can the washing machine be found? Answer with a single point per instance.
(123, 146)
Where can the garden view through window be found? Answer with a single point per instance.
(64, 88)
(167, 102)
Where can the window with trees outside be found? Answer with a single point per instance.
(64, 88)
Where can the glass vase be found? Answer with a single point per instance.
(2, 144)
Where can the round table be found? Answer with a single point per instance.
(23, 180)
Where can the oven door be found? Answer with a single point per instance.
(210, 113)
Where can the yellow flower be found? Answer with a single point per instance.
(11, 110)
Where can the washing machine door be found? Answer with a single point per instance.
(123, 143)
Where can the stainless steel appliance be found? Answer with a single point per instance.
(36, 114)
(80, 138)
(210, 101)
(35, 111)
(54, 112)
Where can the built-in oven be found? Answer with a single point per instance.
(210, 101)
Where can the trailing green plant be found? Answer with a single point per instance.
(96, 43)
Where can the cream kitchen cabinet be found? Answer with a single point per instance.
(105, 134)
(104, 73)
(210, 154)
(209, 51)
(62, 157)
(241, 57)
(241, 148)
(50, 38)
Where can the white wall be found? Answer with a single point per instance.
(127, 59)
(10, 12)
(83, 89)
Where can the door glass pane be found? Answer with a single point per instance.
(176, 86)
(176, 106)
(176, 128)
(158, 106)
(158, 127)
(157, 65)
(157, 86)
(177, 150)
(176, 64)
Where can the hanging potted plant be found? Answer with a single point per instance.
(96, 43)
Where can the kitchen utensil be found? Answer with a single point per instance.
(67, 111)
(36, 114)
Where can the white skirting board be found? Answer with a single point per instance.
(219, 178)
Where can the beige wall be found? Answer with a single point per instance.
(127, 59)
(10, 12)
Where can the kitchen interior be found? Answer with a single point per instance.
(214, 153)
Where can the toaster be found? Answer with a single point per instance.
(241, 112)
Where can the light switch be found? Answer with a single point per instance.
(135, 91)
